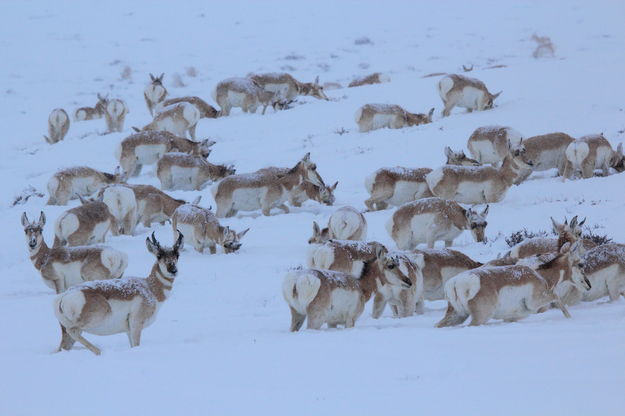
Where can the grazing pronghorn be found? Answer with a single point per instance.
(375, 78)
(404, 301)
(155, 92)
(478, 184)
(122, 204)
(244, 93)
(108, 307)
(264, 189)
(147, 147)
(378, 116)
(63, 267)
(592, 152)
(470, 93)
(345, 256)
(178, 170)
(287, 87)
(396, 186)
(346, 223)
(177, 119)
(85, 224)
(67, 184)
(338, 298)
(58, 126)
(90, 113)
(491, 144)
(434, 219)
(547, 151)
(203, 230)
(115, 115)
(459, 158)
(308, 190)
(206, 110)
(154, 205)
(511, 292)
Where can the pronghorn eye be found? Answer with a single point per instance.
(580, 265)
(391, 266)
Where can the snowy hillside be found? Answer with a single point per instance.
(220, 345)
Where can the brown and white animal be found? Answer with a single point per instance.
(287, 87)
(375, 78)
(90, 113)
(470, 93)
(404, 301)
(67, 184)
(396, 186)
(154, 205)
(244, 93)
(346, 223)
(203, 230)
(337, 298)
(434, 219)
(177, 119)
(84, 225)
(491, 144)
(345, 256)
(459, 158)
(547, 151)
(378, 116)
(63, 267)
(478, 184)
(127, 305)
(58, 126)
(264, 189)
(147, 147)
(593, 152)
(178, 170)
(206, 110)
(115, 115)
(122, 204)
(155, 92)
(308, 190)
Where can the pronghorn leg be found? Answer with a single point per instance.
(588, 169)
(76, 334)
(350, 322)
(481, 309)
(452, 318)
(315, 320)
(66, 340)
(192, 131)
(558, 304)
(137, 169)
(134, 331)
(419, 307)
(297, 320)
(449, 243)
(614, 289)
(212, 248)
(378, 306)
(396, 312)
(333, 325)
(284, 208)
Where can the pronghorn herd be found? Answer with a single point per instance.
(343, 270)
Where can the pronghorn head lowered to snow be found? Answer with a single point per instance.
(568, 233)
(568, 265)
(320, 235)
(232, 239)
(34, 231)
(477, 223)
(459, 158)
(416, 119)
(314, 89)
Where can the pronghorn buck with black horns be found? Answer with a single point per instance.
(434, 219)
(63, 267)
(396, 186)
(547, 151)
(592, 152)
(378, 116)
(122, 204)
(177, 119)
(459, 158)
(287, 87)
(470, 93)
(115, 115)
(244, 93)
(67, 184)
(346, 223)
(85, 224)
(155, 92)
(127, 305)
(91, 113)
(58, 126)
(178, 170)
(491, 144)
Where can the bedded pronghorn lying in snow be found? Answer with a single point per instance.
(176, 170)
(58, 126)
(491, 144)
(287, 87)
(85, 224)
(90, 113)
(244, 93)
(470, 93)
(375, 78)
(115, 114)
(346, 223)
(67, 184)
(154, 93)
(592, 152)
(378, 116)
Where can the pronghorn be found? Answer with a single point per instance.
(155, 92)
(308, 190)
(177, 119)
(115, 114)
(154, 205)
(491, 144)
(375, 78)
(511, 292)
(378, 116)
(90, 113)
(244, 93)
(67, 184)
(345, 256)
(338, 298)
(470, 93)
(459, 158)
(346, 223)
(547, 151)
(287, 87)
(432, 219)
(477, 184)
(58, 125)
(147, 147)
(396, 186)
(206, 110)
(592, 152)
(108, 307)
(263, 189)
(63, 267)
(178, 170)
(85, 224)
(203, 230)
(122, 204)
(404, 301)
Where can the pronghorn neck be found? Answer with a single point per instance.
(509, 171)
(293, 178)
(369, 277)
(40, 255)
(160, 284)
(556, 271)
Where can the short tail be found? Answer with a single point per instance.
(300, 287)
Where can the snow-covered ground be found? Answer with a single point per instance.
(221, 344)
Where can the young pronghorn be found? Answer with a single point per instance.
(491, 144)
(470, 93)
(346, 223)
(592, 152)
(244, 93)
(308, 190)
(459, 158)
(378, 116)
(432, 219)
(67, 184)
(63, 267)
(122, 204)
(203, 230)
(91, 113)
(177, 119)
(287, 87)
(264, 189)
(85, 224)
(178, 170)
(115, 115)
(396, 186)
(338, 298)
(478, 184)
(375, 78)
(206, 110)
(58, 126)
(155, 92)
(110, 307)
(154, 205)
(147, 147)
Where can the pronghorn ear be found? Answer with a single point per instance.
(494, 96)
(242, 233)
(317, 80)
(380, 251)
(333, 187)
(136, 129)
(82, 200)
(430, 114)
(118, 171)
(619, 149)
(556, 226)
(485, 212)
(42, 219)
(25, 222)
(316, 229)
(226, 231)
(582, 222)
(306, 157)
(47, 139)
(152, 77)
(448, 152)
(468, 213)
(99, 96)
(573, 222)
(197, 199)
(161, 77)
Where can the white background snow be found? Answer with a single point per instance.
(221, 344)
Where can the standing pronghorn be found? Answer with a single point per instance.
(177, 119)
(592, 152)
(287, 87)
(206, 110)
(346, 223)
(58, 126)
(178, 170)
(122, 204)
(67, 184)
(155, 92)
(470, 93)
(459, 158)
(115, 114)
(244, 93)
(85, 224)
(396, 186)
(547, 151)
(108, 307)
(154, 205)
(377, 116)
(491, 144)
(308, 190)
(90, 113)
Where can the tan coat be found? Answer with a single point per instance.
(178, 170)
(58, 126)
(377, 116)
(83, 225)
(66, 184)
(396, 186)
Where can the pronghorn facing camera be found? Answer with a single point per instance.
(154, 205)
(85, 224)
(547, 151)
(177, 119)
(434, 219)
(110, 307)
(346, 223)
(491, 144)
(206, 110)
(375, 78)
(122, 204)
(244, 93)
(58, 126)
(90, 113)
(178, 170)
(396, 186)
(287, 87)
(155, 92)
(377, 116)
(67, 184)
(592, 152)
(470, 93)
(115, 114)
(63, 267)
(459, 158)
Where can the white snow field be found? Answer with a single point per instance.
(220, 345)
